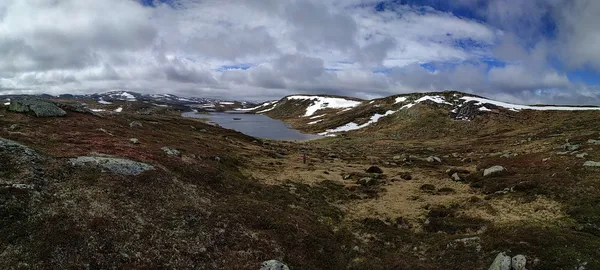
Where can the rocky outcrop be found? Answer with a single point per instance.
(37, 107)
(113, 165)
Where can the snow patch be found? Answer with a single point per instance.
(400, 99)
(436, 99)
(515, 107)
(7, 104)
(97, 110)
(120, 109)
(257, 107)
(101, 101)
(319, 103)
(353, 126)
(314, 122)
(318, 116)
(267, 110)
(160, 105)
(226, 103)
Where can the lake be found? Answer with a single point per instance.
(255, 125)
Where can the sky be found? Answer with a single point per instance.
(522, 51)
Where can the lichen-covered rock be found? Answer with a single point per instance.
(570, 147)
(273, 265)
(502, 262)
(519, 262)
(493, 170)
(171, 151)
(19, 153)
(434, 159)
(115, 165)
(37, 107)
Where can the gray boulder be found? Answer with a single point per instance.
(502, 262)
(171, 151)
(37, 107)
(273, 265)
(114, 165)
(493, 170)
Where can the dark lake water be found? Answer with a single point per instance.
(256, 125)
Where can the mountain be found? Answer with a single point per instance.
(117, 99)
(329, 115)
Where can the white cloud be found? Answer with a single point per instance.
(305, 46)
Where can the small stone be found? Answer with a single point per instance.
(456, 177)
(332, 155)
(570, 147)
(434, 159)
(13, 127)
(582, 155)
(170, 151)
(397, 158)
(217, 159)
(134, 140)
(519, 262)
(493, 170)
(135, 124)
(374, 169)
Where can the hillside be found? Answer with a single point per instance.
(133, 185)
(332, 115)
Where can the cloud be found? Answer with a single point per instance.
(263, 49)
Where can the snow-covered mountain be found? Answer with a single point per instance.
(329, 115)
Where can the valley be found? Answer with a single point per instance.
(403, 182)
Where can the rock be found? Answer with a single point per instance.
(502, 262)
(452, 171)
(591, 141)
(570, 147)
(171, 151)
(374, 169)
(397, 158)
(135, 124)
(273, 265)
(346, 176)
(18, 153)
(217, 159)
(493, 170)
(332, 155)
(434, 159)
(365, 181)
(405, 176)
(13, 127)
(115, 165)
(591, 164)
(37, 107)
(456, 177)
(519, 262)
(582, 155)
(134, 140)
